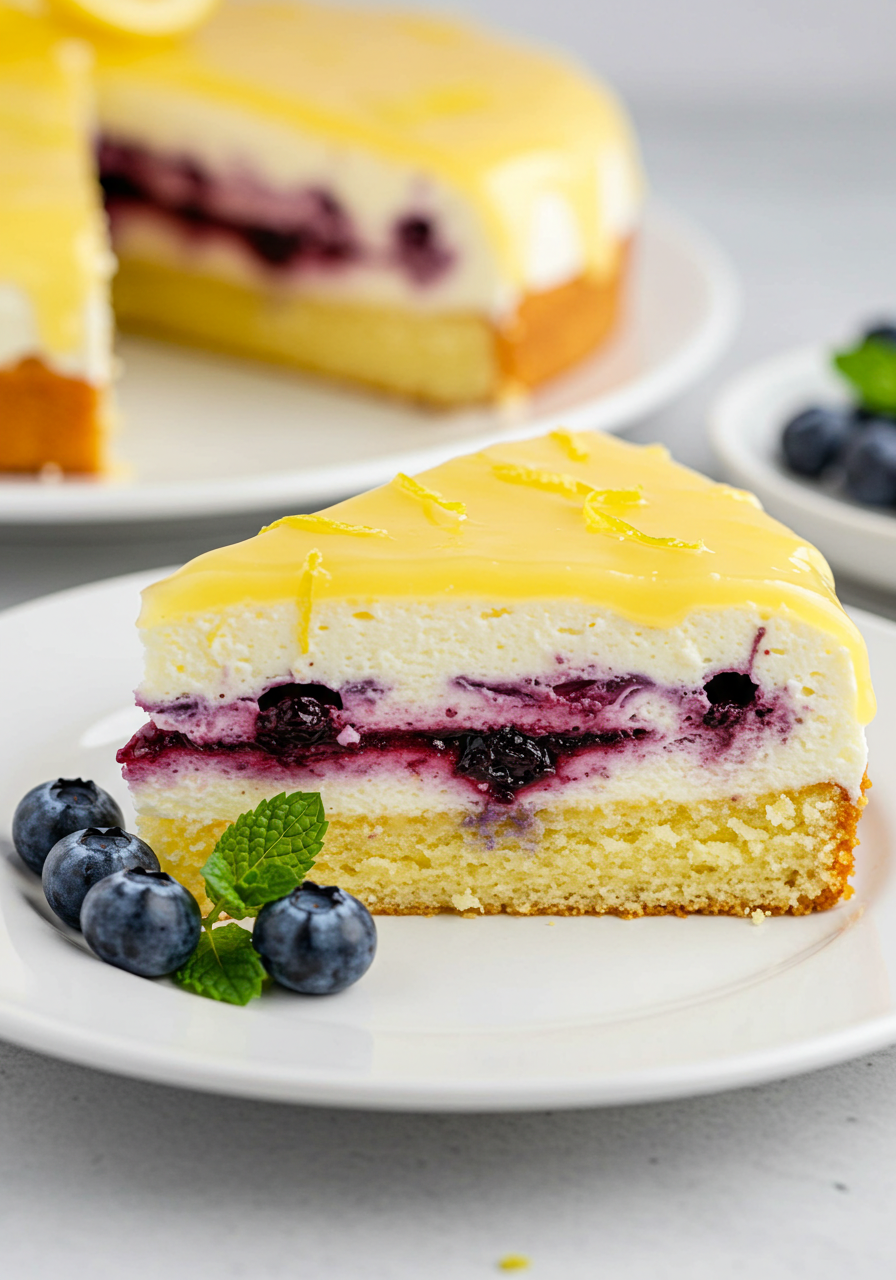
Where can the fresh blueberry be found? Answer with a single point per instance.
(56, 809)
(80, 860)
(869, 465)
(316, 940)
(884, 331)
(814, 438)
(142, 921)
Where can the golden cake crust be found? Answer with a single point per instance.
(48, 420)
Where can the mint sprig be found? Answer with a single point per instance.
(261, 857)
(871, 369)
(266, 853)
(225, 966)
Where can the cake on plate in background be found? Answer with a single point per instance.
(391, 199)
(394, 199)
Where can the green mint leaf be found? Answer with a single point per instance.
(225, 966)
(266, 853)
(871, 368)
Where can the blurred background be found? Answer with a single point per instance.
(765, 53)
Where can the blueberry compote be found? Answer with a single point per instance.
(305, 227)
(303, 725)
(498, 763)
(295, 229)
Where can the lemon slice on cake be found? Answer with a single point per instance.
(136, 17)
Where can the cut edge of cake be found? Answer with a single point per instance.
(55, 261)
(680, 730)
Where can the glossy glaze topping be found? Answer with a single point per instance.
(50, 217)
(704, 546)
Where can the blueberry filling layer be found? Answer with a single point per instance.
(498, 764)
(296, 725)
(307, 227)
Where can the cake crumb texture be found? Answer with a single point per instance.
(787, 852)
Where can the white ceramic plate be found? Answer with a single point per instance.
(206, 435)
(746, 423)
(455, 1014)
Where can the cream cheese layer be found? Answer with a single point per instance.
(54, 264)
(543, 155)
(587, 518)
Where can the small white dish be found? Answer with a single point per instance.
(498, 1013)
(746, 422)
(205, 435)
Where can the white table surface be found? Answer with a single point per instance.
(111, 1178)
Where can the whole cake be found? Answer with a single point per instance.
(399, 200)
(55, 318)
(562, 676)
(391, 199)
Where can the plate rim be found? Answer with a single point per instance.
(400, 1095)
(27, 503)
(172, 1066)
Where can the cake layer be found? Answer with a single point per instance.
(438, 358)
(324, 236)
(443, 360)
(784, 851)
(725, 690)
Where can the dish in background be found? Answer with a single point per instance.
(501, 1013)
(746, 422)
(202, 435)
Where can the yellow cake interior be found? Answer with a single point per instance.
(783, 852)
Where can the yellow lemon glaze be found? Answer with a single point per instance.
(527, 541)
(51, 227)
(499, 122)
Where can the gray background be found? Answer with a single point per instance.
(773, 124)
(769, 52)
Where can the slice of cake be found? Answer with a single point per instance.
(401, 201)
(55, 318)
(562, 676)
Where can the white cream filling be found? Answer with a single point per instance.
(141, 235)
(415, 652)
(91, 361)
